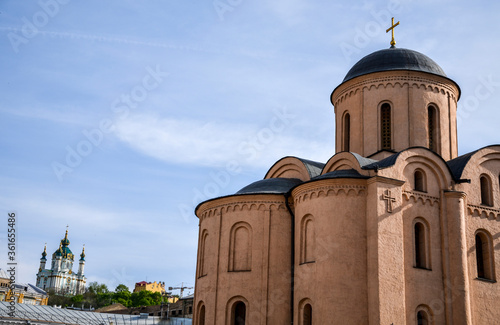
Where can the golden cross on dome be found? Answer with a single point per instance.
(393, 42)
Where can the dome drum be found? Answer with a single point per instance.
(379, 94)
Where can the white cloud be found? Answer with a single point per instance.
(214, 144)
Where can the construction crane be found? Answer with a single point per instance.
(182, 287)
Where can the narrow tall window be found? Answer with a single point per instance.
(431, 127)
(239, 313)
(347, 132)
(202, 262)
(240, 250)
(420, 249)
(479, 256)
(307, 315)
(201, 316)
(385, 122)
(307, 240)
(486, 197)
(422, 318)
(419, 180)
(484, 256)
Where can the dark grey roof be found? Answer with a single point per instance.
(270, 186)
(345, 173)
(394, 59)
(29, 288)
(384, 163)
(362, 160)
(457, 165)
(314, 168)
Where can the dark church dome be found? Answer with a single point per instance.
(394, 59)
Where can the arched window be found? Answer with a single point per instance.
(307, 315)
(486, 195)
(240, 249)
(484, 256)
(201, 315)
(202, 262)
(419, 180)
(307, 240)
(385, 123)
(238, 314)
(347, 132)
(421, 244)
(422, 318)
(432, 130)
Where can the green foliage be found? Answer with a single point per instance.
(97, 288)
(97, 296)
(58, 300)
(122, 288)
(156, 297)
(77, 299)
(145, 298)
(104, 299)
(122, 295)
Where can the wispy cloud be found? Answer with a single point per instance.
(67, 115)
(214, 144)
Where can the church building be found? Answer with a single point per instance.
(60, 277)
(395, 228)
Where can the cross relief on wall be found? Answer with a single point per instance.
(390, 200)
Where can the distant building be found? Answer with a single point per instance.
(150, 286)
(60, 278)
(182, 308)
(24, 293)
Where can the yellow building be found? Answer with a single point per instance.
(150, 286)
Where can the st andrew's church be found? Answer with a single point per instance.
(60, 278)
(395, 228)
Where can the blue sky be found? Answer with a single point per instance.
(118, 117)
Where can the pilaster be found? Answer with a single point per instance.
(385, 251)
(458, 281)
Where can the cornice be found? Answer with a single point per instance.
(329, 187)
(241, 203)
(483, 211)
(384, 180)
(426, 82)
(419, 197)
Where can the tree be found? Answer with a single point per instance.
(58, 300)
(77, 299)
(156, 298)
(96, 288)
(122, 288)
(122, 295)
(145, 298)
